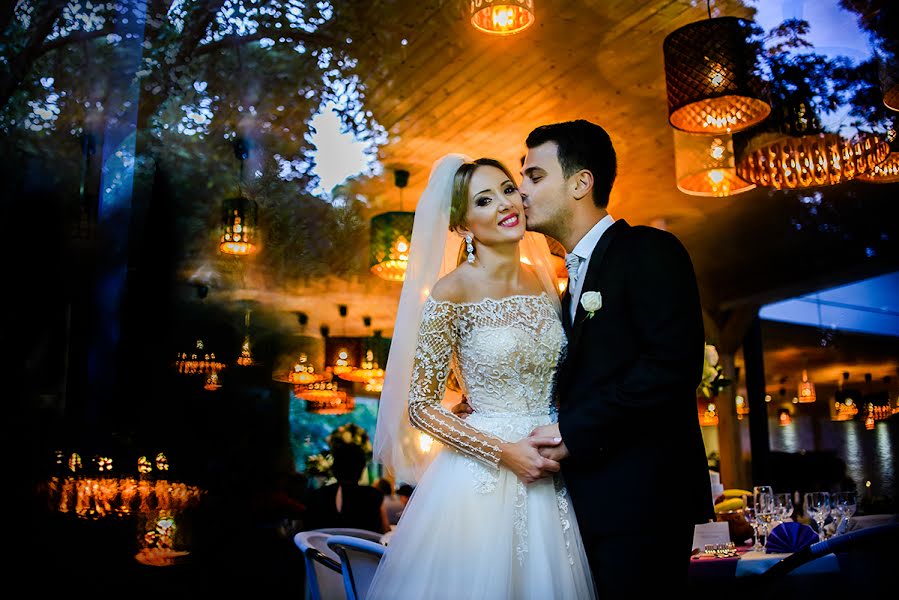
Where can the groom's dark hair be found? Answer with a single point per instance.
(582, 145)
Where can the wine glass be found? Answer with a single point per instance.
(763, 500)
(750, 516)
(783, 506)
(817, 507)
(846, 504)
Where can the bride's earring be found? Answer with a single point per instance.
(469, 248)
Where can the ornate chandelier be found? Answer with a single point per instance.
(246, 356)
(326, 398)
(710, 77)
(341, 353)
(303, 373)
(704, 165)
(198, 362)
(391, 236)
(368, 369)
(239, 215)
(501, 17)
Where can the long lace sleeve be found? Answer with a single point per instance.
(429, 373)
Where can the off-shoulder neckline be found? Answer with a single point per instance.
(487, 299)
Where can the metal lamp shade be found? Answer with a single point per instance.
(704, 165)
(889, 80)
(787, 162)
(391, 234)
(239, 231)
(501, 17)
(710, 74)
(886, 171)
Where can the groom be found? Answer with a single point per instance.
(632, 454)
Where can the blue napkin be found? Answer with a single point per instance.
(790, 537)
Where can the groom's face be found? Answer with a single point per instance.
(543, 190)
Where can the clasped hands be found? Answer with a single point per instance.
(531, 458)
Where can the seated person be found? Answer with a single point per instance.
(345, 503)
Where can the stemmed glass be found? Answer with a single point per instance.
(817, 507)
(752, 519)
(845, 503)
(783, 507)
(763, 501)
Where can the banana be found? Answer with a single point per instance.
(729, 504)
(736, 493)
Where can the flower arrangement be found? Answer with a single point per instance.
(712, 374)
(319, 464)
(350, 433)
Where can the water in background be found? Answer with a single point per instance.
(870, 455)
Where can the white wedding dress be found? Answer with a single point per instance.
(472, 529)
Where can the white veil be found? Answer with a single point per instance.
(433, 253)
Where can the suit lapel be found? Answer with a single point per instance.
(591, 278)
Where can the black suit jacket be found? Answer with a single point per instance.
(627, 388)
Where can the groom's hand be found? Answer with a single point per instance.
(462, 409)
(556, 452)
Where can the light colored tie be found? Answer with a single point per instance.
(572, 263)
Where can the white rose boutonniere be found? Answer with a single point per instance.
(592, 302)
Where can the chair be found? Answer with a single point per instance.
(866, 559)
(365, 534)
(359, 560)
(324, 578)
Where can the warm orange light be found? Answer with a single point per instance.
(304, 373)
(704, 165)
(501, 17)
(394, 267)
(325, 398)
(238, 226)
(367, 372)
(806, 389)
(783, 417)
(810, 160)
(885, 172)
(708, 413)
(212, 382)
(742, 407)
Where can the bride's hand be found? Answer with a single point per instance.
(523, 458)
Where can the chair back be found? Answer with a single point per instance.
(359, 560)
(365, 534)
(324, 577)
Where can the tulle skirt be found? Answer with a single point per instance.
(474, 532)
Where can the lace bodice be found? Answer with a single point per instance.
(503, 352)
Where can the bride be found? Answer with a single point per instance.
(481, 523)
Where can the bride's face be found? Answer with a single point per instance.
(495, 213)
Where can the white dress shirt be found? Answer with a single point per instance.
(584, 249)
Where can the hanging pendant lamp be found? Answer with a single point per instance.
(704, 165)
(501, 17)
(239, 215)
(711, 77)
(391, 236)
(806, 389)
